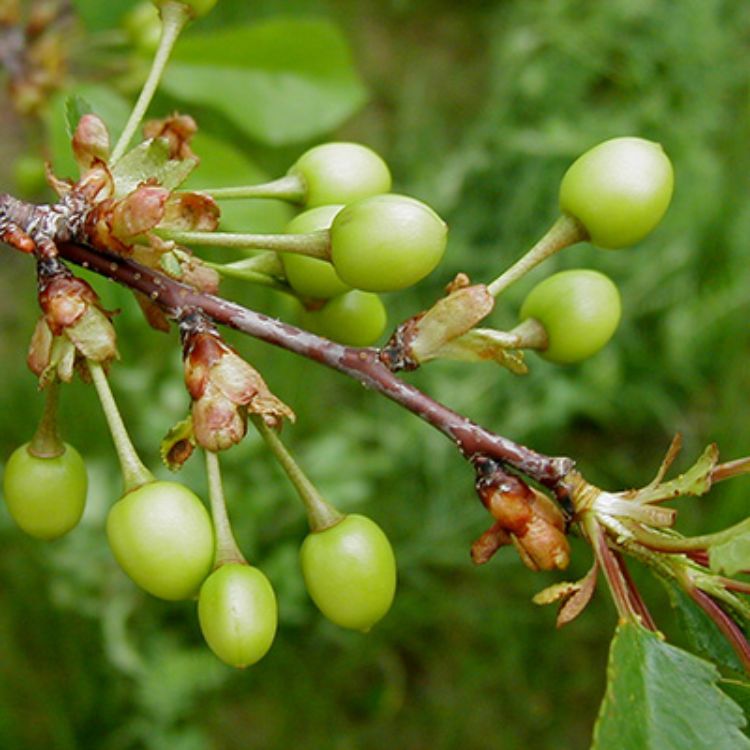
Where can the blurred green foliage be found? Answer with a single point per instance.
(478, 107)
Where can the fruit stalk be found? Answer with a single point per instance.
(227, 550)
(47, 442)
(564, 232)
(134, 473)
(287, 188)
(321, 514)
(314, 244)
(175, 16)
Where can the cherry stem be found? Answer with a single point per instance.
(230, 271)
(289, 188)
(264, 269)
(134, 473)
(227, 549)
(564, 232)
(530, 334)
(320, 513)
(47, 442)
(174, 16)
(314, 244)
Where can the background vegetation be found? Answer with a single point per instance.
(478, 107)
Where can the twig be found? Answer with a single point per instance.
(363, 365)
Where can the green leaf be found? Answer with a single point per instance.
(150, 160)
(739, 692)
(702, 632)
(97, 15)
(662, 698)
(730, 554)
(280, 81)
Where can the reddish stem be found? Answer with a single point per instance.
(699, 556)
(615, 574)
(741, 587)
(730, 469)
(636, 599)
(176, 299)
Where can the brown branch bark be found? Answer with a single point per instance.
(177, 299)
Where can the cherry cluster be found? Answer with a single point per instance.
(352, 241)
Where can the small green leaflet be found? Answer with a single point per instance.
(660, 697)
(148, 161)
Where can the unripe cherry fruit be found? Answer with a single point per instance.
(312, 277)
(618, 190)
(350, 572)
(45, 496)
(143, 27)
(197, 7)
(354, 319)
(580, 311)
(238, 614)
(162, 537)
(341, 173)
(386, 242)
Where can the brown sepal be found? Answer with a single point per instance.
(177, 130)
(191, 212)
(534, 523)
(64, 299)
(573, 605)
(139, 212)
(154, 315)
(90, 141)
(490, 542)
(224, 388)
(573, 596)
(60, 186)
(196, 273)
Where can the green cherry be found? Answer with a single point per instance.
(350, 572)
(143, 27)
(386, 242)
(579, 310)
(162, 537)
(238, 614)
(619, 190)
(312, 277)
(355, 318)
(340, 173)
(45, 496)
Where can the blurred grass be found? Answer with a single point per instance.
(478, 107)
